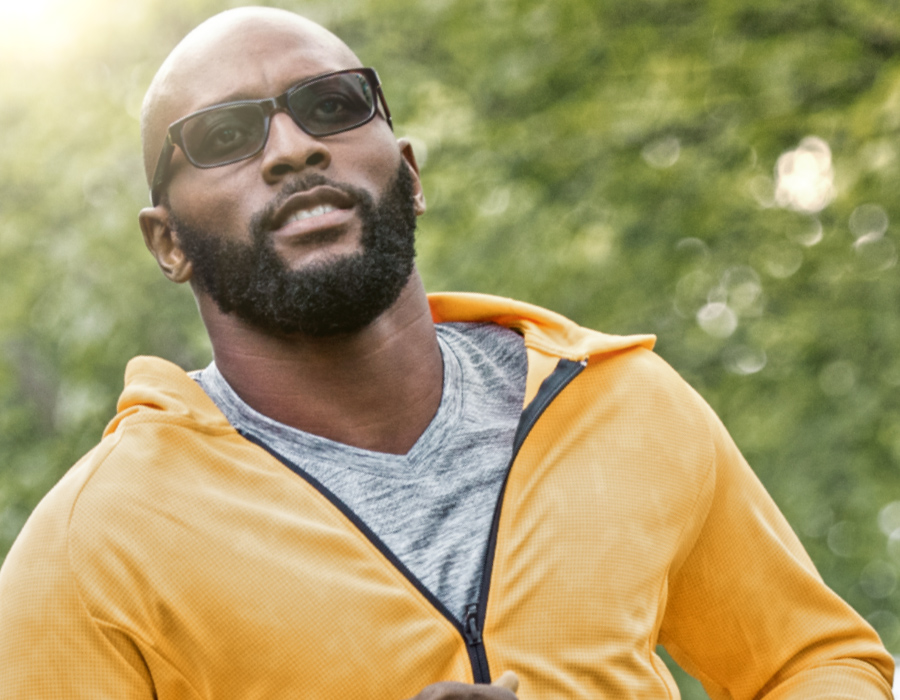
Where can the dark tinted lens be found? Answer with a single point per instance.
(224, 134)
(332, 104)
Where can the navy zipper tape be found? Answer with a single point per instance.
(559, 379)
(564, 372)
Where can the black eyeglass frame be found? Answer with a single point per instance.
(269, 105)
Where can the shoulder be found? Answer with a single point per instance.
(638, 379)
(633, 416)
(105, 499)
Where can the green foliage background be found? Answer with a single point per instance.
(612, 161)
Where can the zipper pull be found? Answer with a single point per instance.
(470, 625)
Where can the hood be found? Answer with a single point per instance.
(543, 330)
(153, 385)
(548, 336)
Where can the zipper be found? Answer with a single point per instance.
(559, 379)
(470, 629)
(477, 655)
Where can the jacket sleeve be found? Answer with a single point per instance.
(50, 645)
(747, 590)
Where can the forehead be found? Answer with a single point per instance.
(260, 60)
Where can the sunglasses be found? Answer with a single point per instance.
(233, 131)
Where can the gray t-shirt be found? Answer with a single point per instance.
(433, 506)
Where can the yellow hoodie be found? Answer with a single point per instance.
(178, 560)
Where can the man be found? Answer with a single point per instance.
(351, 500)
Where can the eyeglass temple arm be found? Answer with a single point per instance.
(384, 107)
(162, 165)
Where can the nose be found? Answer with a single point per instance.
(289, 150)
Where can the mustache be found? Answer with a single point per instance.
(263, 220)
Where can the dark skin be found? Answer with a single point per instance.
(377, 388)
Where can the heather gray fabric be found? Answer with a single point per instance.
(432, 506)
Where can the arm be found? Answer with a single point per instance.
(50, 646)
(749, 615)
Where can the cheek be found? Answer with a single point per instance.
(367, 157)
(216, 200)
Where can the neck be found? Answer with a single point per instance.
(376, 389)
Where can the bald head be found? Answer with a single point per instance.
(208, 65)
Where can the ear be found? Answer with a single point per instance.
(406, 151)
(162, 242)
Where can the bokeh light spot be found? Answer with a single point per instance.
(743, 288)
(868, 220)
(496, 203)
(804, 177)
(889, 518)
(782, 262)
(717, 319)
(692, 247)
(875, 252)
(842, 539)
(662, 153)
(893, 545)
(817, 522)
(878, 579)
(743, 359)
(809, 235)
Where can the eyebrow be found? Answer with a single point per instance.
(228, 99)
(241, 96)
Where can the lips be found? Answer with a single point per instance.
(304, 210)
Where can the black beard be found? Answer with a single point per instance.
(339, 295)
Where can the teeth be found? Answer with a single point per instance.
(307, 213)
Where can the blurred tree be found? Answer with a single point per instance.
(640, 166)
